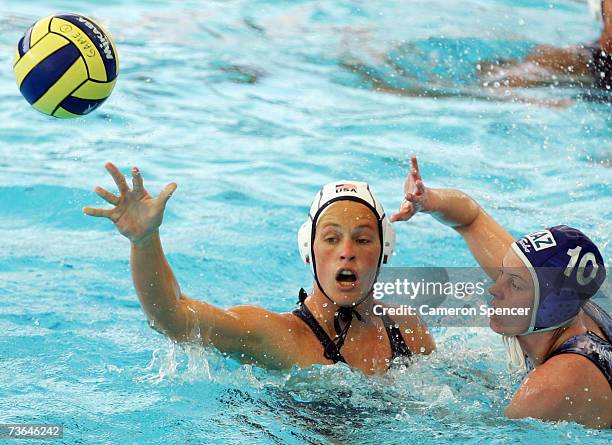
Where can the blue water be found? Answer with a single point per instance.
(249, 107)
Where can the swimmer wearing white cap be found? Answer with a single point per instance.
(345, 240)
(565, 337)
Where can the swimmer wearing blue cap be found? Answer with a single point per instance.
(582, 65)
(345, 240)
(565, 337)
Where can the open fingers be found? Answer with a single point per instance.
(137, 180)
(405, 212)
(100, 213)
(107, 196)
(167, 192)
(118, 177)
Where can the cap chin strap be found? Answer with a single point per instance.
(344, 191)
(343, 314)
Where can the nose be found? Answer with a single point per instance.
(347, 253)
(495, 290)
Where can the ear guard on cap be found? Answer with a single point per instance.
(352, 191)
(566, 268)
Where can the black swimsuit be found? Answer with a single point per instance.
(600, 66)
(330, 349)
(590, 345)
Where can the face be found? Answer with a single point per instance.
(347, 249)
(512, 289)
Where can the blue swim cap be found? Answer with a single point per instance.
(567, 269)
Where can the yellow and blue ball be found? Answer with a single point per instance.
(66, 65)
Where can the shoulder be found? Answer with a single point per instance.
(567, 373)
(562, 388)
(277, 339)
(260, 319)
(556, 376)
(277, 327)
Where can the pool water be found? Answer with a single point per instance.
(250, 108)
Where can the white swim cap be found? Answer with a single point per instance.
(349, 191)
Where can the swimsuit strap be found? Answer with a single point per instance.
(592, 347)
(398, 344)
(600, 317)
(330, 350)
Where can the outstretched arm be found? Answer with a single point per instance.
(250, 333)
(487, 240)
(247, 331)
(544, 66)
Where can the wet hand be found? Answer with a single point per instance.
(415, 194)
(136, 214)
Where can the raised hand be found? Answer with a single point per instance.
(136, 214)
(415, 194)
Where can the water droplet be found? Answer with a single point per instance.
(324, 304)
(422, 349)
(408, 331)
(586, 389)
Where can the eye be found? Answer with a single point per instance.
(514, 285)
(364, 241)
(331, 239)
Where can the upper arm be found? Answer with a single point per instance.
(487, 240)
(538, 398)
(555, 391)
(249, 332)
(572, 59)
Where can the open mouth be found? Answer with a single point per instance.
(346, 278)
